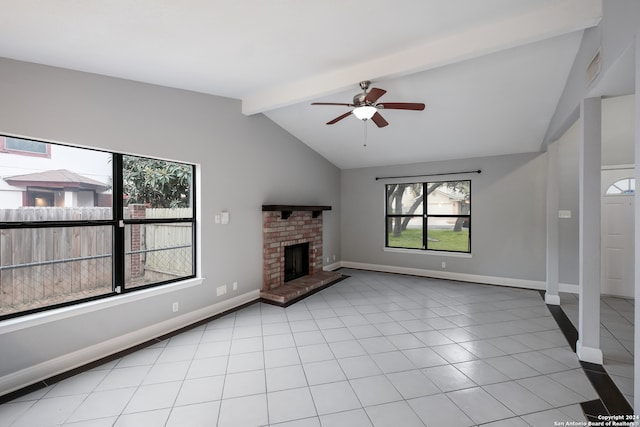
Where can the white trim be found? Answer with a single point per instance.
(616, 167)
(589, 354)
(449, 275)
(35, 319)
(428, 252)
(551, 299)
(462, 277)
(332, 267)
(198, 224)
(30, 375)
(569, 288)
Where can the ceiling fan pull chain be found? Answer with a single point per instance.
(364, 123)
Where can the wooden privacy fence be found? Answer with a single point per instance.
(177, 236)
(43, 266)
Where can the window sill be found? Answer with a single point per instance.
(35, 319)
(427, 252)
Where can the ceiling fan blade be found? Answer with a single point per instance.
(379, 120)
(337, 119)
(374, 94)
(332, 103)
(401, 106)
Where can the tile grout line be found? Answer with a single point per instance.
(111, 357)
(362, 302)
(612, 401)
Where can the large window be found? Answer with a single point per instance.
(85, 224)
(443, 223)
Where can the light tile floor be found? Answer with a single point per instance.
(373, 350)
(616, 337)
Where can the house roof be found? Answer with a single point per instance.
(59, 178)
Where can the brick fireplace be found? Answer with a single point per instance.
(287, 226)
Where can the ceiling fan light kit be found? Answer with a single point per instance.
(366, 106)
(365, 112)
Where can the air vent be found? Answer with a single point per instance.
(593, 69)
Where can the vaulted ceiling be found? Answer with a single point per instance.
(490, 72)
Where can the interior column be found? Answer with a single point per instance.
(588, 345)
(553, 201)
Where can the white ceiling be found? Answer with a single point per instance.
(491, 72)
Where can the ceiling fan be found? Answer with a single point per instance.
(366, 107)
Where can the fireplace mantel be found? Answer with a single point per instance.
(286, 210)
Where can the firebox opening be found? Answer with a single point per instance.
(296, 261)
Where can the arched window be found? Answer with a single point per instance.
(622, 187)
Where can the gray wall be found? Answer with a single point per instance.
(617, 149)
(508, 217)
(618, 131)
(245, 162)
(613, 36)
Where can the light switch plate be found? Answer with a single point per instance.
(564, 214)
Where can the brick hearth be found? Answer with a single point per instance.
(291, 225)
(301, 287)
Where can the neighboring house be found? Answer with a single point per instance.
(34, 173)
(442, 201)
(59, 188)
(445, 201)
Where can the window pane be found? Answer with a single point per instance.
(157, 253)
(448, 198)
(25, 145)
(158, 184)
(626, 187)
(45, 266)
(42, 265)
(448, 234)
(74, 179)
(404, 232)
(404, 199)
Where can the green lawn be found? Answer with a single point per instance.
(447, 240)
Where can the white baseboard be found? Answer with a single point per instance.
(449, 275)
(589, 354)
(552, 299)
(42, 371)
(33, 374)
(462, 277)
(569, 288)
(332, 267)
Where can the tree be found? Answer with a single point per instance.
(395, 193)
(159, 183)
(394, 200)
(462, 187)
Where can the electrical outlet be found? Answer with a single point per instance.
(334, 257)
(175, 307)
(444, 264)
(221, 290)
(235, 286)
(327, 259)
